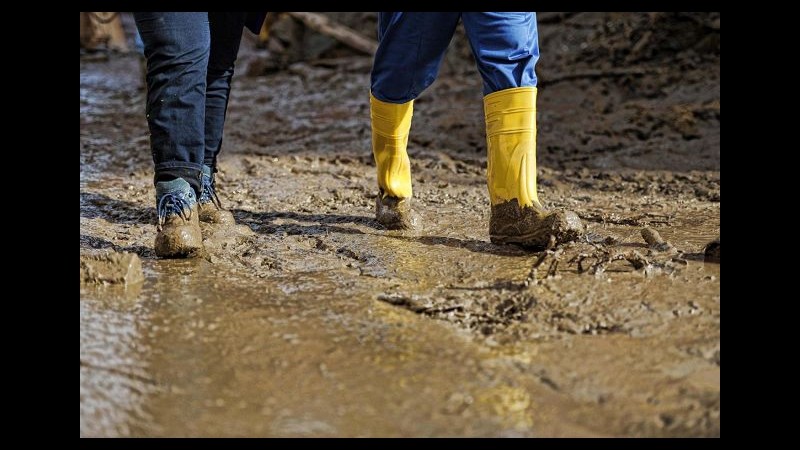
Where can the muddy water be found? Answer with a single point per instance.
(308, 319)
(197, 350)
(299, 355)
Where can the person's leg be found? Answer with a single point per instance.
(410, 52)
(176, 46)
(505, 45)
(506, 48)
(226, 34)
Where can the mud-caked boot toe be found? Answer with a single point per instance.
(566, 226)
(211, 213)
(395, 213)
(178, 234)
(532, 226)
(209, 206)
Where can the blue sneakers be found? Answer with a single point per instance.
(178, 233)
(209, 206)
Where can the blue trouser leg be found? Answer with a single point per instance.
(226, 34)
(410, 51)
(176, 46)
(412, 46)
(506, 48)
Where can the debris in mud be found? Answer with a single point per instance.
(616, 219)
(111, 268)
(703, 186)
(496, 312)
(656, 242)
(553, 256)
(596, 263)
(515, 307)
(596, 238)
(416, 304)
(411, 303)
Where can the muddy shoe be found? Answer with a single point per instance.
(532, 226)
(178, 225)
(395, 213)
(209, 206)
(711, 252)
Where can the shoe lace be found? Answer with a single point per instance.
(172, 204)
(209, 193)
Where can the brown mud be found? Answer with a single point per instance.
(109, 267)
(308, 318)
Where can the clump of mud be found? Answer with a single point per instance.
(655, 241)
(111, 268)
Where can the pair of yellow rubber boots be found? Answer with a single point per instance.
(517, 215)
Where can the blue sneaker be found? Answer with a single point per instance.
(178, 233)
(209, 206)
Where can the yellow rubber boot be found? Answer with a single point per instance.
(517, 215)
(391, 124)
(511, 140)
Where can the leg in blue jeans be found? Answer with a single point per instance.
(190, 60)
(226, 34)
(176, 46)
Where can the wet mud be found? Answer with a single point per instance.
(309, 318)
(109, 267)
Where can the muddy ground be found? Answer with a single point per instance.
(308, 319)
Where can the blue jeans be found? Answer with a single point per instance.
(190, 59)
(412, 46)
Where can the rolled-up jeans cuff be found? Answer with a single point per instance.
(191, 172)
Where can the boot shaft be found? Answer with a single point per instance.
(511, 146)
(391, 124)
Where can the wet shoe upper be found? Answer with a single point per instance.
(178, 226)
(209, 206)
(395, 213)
(532, 226)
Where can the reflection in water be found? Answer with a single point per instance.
(197, 356)
(115, 375)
